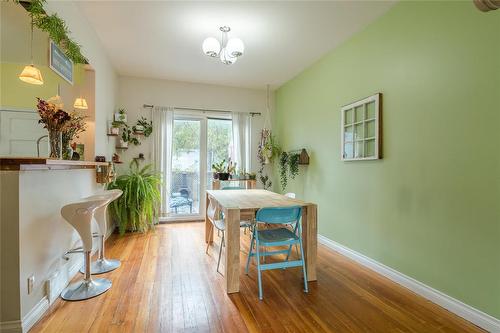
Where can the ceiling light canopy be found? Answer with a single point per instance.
(228, 50)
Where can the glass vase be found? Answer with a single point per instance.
(55, 145)
(67, 151)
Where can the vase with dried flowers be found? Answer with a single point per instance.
(54, 120)
(72, 129)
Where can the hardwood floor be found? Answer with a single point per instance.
(168, 284)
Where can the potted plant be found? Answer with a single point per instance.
(220, 170)
(143, 126)
(252, 176)
(114, 128)
(137, 208)
(270, 149)
(127, 137)
(288, 167)
(121, 116)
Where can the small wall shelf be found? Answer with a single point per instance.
(121, 147)
(109, 134)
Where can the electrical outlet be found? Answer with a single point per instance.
(31, 283)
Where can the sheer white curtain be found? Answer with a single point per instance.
(242, 123)
(163, 120)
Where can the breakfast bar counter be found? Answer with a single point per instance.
(36, 163)
(33, 235)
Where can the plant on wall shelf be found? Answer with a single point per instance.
(127, 137)
(143, 126)
(137, 208)
(288, 167)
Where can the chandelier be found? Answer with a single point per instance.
(227, 49)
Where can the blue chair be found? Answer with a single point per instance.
(289, 216)
(232, 188)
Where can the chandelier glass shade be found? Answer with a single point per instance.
(227, 50)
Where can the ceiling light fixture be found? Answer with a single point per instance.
(80, 103)
(30, 73)
(228, 50)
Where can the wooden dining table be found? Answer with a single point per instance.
(240, 205)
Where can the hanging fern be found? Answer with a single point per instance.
(57, 29)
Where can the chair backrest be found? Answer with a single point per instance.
(211, 211)
(279, 215)
(290, 195)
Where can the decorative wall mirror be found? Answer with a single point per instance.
(362, 129)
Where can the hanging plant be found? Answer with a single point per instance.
(56, 28)
(293, 165)
(283, 169)
(267, 151)
(288, 167)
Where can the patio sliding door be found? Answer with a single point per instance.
(198, 141)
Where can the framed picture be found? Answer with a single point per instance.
(59, 63)
(362, 129)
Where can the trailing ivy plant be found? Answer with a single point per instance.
(56, 28)
(288, 167)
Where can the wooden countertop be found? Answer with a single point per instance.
(34, 163)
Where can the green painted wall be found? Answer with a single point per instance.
(430, 207)
(15, 93)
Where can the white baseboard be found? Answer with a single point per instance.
(35, 314)
(11, 326)
(459, 308)
(60, 279)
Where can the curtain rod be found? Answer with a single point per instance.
(203, 110)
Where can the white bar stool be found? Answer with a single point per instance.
(79, 215)
(103, 265)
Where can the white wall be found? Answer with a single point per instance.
(134, 92)
(105, 76)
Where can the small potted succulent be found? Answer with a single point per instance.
(121, 116)
(220, 170)
(252, 176)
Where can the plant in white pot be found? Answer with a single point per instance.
(143, 126)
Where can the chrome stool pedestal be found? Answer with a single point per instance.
(86, 288)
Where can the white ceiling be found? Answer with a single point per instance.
(157, 39)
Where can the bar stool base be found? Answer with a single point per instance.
(101, 266)
(85, 289)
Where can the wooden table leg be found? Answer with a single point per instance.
(310, 239)
(209, 237)
(232, 241)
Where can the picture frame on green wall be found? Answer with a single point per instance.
(361, 129)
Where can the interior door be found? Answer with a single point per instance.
(19, 131)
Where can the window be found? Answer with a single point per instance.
(361, 125)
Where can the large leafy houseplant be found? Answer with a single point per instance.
(137, 208)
